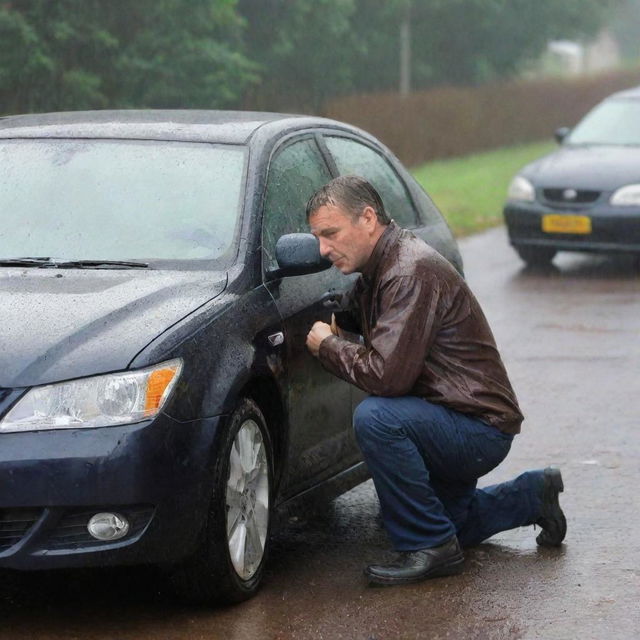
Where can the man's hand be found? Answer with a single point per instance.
(318, 333)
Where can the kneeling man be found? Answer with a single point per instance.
(441, 411)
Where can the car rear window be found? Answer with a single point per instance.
(354, 158)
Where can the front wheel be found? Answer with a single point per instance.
(229, 561)
(536, 256)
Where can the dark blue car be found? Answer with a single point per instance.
(586, 195)
(157, 401)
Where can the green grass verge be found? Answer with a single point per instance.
(470, 191)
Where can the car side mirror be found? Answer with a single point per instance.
(561, 133)
(298, 254)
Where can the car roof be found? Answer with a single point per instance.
(634, 92)
(226, 127)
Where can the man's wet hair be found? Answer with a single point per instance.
(353, 193)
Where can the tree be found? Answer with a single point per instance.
(272, 54)
(480, 40)
(74, 54)
(304, 49)
(310, 51)
(464, 41)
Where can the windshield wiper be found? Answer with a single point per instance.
(26, 262)
(45, 263)
(99, 264)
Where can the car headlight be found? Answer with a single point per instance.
(99, 401)
(628, 196)
(521, 189)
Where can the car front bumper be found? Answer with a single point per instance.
(157, 474)
(613, 229)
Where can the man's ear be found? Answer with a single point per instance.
(370, 217)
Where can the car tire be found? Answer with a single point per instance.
(228, 564)
(536, 256)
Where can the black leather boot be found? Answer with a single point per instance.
(552, 520)
(412, 566)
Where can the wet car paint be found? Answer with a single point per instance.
(219, 322)
(67, 324)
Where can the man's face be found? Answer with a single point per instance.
(348, 243)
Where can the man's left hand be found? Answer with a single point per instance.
(318, 333)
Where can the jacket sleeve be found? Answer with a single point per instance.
(400, 340)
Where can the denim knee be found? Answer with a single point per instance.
(363, 417)
(369, 422)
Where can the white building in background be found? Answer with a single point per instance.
(574, 58)
(567, 55)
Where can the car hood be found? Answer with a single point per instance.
(599, 168)
(62, 324)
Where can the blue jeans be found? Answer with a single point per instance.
(425, 460)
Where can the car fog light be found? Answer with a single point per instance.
(108, 526)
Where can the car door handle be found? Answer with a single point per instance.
(276, 339)
(331, 300)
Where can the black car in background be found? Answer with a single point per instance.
(586, 195)
(157, 401)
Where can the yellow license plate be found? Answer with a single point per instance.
(566, 224)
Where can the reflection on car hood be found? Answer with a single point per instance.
(599, 168)
(58, 325)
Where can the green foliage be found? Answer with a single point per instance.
(288, 54)
(465, 41)
(75, 54)
(179, 52)
(311, 50)
(303, 48)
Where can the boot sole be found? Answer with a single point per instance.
(452, 568)
(555, 481)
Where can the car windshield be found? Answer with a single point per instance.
(612, 122)
(150, 201)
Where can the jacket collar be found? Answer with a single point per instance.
(385, 242)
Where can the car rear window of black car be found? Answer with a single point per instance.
(77, 199)
(354, 158)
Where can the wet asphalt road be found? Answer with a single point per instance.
(570, 338)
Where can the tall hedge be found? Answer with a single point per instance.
(454, 121)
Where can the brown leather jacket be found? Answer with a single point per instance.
(424, 335)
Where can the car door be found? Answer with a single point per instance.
(318, 404)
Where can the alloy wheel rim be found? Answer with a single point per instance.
(247, 500)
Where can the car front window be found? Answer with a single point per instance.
(612, 122)
(296, 173)
(119, 199)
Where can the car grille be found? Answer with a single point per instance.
(14, 524)
(71, 530)
(570, 196)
